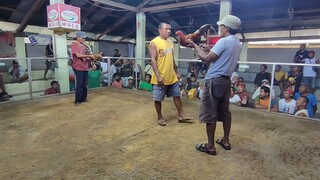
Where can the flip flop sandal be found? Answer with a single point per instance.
(203, 148)
(219, 141)
(181, 120)
(162, 122)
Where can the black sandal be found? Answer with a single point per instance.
(219, 141)
(203, 148)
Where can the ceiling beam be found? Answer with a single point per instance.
(129, 15)
(6, 8)
(116, 24)
(177, 5)
(36, 6)
(118, 5)
(128, 33)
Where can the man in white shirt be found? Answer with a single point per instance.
(301, 105)
(309, 75)
(104, 67)
(17, 73)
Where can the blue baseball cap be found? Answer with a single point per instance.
(81, 34)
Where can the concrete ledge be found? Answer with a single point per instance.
(20, 88)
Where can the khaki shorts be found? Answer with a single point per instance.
(215, 101)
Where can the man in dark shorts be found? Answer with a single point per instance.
(214, 106)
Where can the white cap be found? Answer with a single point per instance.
(230, 21)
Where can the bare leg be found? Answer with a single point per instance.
(158, 106)
(45, 73)
(226, 129)
(211, 129)
(178, 104)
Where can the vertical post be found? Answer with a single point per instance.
(140, 38)
(29, 77)
(109, 71)
(21, 52)
(243, 55)
(225, 9)
(271, 85)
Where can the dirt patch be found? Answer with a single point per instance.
(115, 136)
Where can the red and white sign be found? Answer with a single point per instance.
(63, 16)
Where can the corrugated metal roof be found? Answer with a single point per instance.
(8, 26)
(21, 10)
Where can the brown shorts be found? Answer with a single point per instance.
(215, 101)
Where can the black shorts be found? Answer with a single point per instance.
(215, 101)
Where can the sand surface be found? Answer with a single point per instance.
(115, 136)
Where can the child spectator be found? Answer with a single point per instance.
(117, 81)
(146, 85)
(301, 109)
(94, 76)
(262, 101)
(244, 96)
(130, 84)
(312, 101)
(234, 98)
(192, 83)
(126, 72)
(287, 104)
(297, 75)
(54, 88)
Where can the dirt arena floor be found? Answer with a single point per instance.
(115, 136)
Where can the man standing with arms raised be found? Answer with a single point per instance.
(164, 76)
(214, 106)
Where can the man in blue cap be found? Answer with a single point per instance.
(80, 65)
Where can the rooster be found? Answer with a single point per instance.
(195, 37)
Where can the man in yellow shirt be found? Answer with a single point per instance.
(164, 75)
(279, 77)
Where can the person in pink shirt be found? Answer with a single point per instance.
(80, 66)
(117, 81)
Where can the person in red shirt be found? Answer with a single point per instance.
(54, 88)
(80, 66)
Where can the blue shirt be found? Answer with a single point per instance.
(312, 102)
(228, 49)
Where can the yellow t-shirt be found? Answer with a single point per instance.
(164, 61)
(280, 74)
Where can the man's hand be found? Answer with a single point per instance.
(204, 47)
(160, 81)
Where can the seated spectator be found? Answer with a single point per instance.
(54, 88)
(287, 104)
(17, 73)
(126, 72)
(304, 91)
(264, 82)
(234, 77)
(130, 84)
(301, 107)
(94, 76)
(117, 81)
(244, 96)
(192, 83)
(105, 76)
(291, 85)
(297, 75)
(137, 71)
(279, 77)
(309, 74)
(261, 76)
(200, 89)
(148, 69)
(235, 81)
(146, 85)
(262, 101)
(4, 96)
(234, 98)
